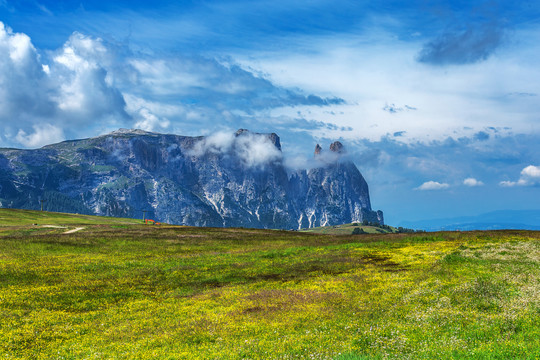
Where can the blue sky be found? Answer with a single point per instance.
(437, 102)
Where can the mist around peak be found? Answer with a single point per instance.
(257, 150)
(252, 149)
(335, 153)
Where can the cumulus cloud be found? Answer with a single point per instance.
(472, 182)
(42, 135)
(252, 149)
(150, 122)
(25, 89)
(531, 172)
(433, 185)
(476, 43)
(85, 87)
(39, 100)
(529, 176)
(90, 85)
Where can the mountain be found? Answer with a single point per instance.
(495, 220)
(220, 180)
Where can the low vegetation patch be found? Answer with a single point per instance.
(115, 290)
(364, 227)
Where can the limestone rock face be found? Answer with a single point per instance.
(337, 147)
(223, 181)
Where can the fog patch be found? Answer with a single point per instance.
(336, 153)
(252, 149)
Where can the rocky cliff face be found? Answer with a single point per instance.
(221, 180)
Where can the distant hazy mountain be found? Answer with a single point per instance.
(221, 180)
(502, 219)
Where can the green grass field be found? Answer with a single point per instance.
(121, 290)
(16, 217)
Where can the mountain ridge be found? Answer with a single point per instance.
(236, 179)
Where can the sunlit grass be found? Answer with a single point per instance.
(16, 217)
(145, 292)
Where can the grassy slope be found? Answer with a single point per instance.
(15, 217)
(28, 222)
(142, 292)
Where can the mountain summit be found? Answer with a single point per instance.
(236, 179)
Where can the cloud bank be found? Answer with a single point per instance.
(91, 86)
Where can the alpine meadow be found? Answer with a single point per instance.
(118, 289)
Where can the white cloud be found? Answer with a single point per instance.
(171, 77)
(256, 150)
(531, 172)
(529, 176)
(508, 183)
(155, 115)
(85, 88)
(217, 143)
(72, 92)
(433, 185)
(253, 150)
(25, 88)
(370, 72)
(150, 122)
(90, 85)
(429, 165)
(472, 182)
(42, 135)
